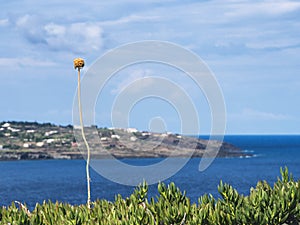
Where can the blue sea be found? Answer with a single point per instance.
(65, 180)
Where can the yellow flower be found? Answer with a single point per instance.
(78, 63)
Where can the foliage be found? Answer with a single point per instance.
(105, 132)
(279, 204)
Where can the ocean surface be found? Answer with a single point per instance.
(65, 180)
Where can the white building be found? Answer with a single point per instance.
(26, 145)
(131, 130)
(39, 144)
(49, 141)
(115, 136)
(13, 129)
(30, 131)
(51, 132)
(103, 139)
(6, 125)
(133, 138)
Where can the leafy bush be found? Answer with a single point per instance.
(279, 204)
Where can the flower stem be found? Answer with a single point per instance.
(86, 144)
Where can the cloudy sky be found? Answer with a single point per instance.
(252, 47)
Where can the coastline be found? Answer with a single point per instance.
(46, 154)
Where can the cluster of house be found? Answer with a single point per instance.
(54, 137)
(110, 141)
(7, 127)
(147, 134)
(136, 134)
(8, 131)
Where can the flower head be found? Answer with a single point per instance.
(78, 63)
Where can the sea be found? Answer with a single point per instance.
(33, 182)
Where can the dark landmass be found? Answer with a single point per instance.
(32, 141)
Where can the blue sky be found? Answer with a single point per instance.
(252, 47)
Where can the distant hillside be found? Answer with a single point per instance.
(32, 140)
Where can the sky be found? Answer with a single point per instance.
(251, 47)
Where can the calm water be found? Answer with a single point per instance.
(63, 180)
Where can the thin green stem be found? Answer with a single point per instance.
(86, 144)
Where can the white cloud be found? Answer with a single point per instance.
(27, 62)
(55, 30)
(266, 8)
(249, 113)
(131, 77)
(131, 19)
(79, 37)
(236, 26)
(213, 27)
(23, 20)
(30, 28)
(4, 22)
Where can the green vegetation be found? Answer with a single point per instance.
(24, 135)
(279, 204)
